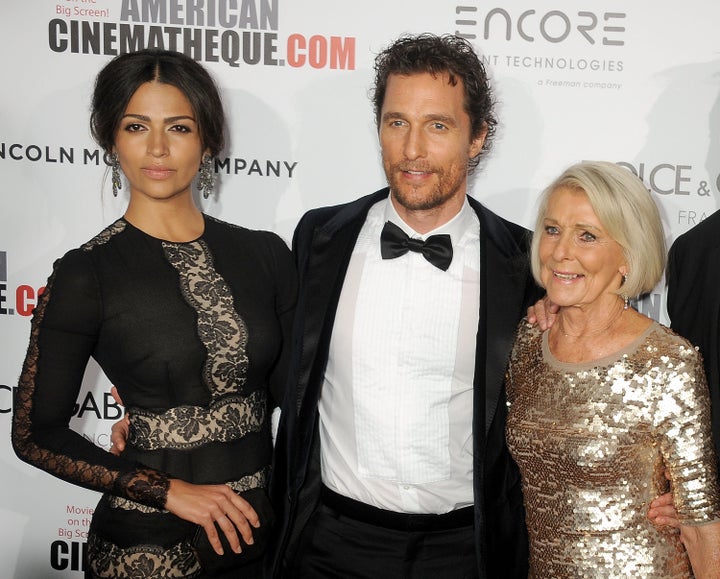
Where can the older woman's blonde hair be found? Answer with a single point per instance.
(627, 212)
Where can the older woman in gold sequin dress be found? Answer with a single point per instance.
(606, 400)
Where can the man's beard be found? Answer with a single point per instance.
(423, 197)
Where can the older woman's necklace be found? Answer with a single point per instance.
(597, 332)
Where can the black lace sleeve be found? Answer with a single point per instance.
(63, 335)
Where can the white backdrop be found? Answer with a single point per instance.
(635, 83)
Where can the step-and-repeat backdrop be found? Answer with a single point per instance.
(637, 83)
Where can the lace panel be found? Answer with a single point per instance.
(184, 427)
(220, 327)
(141, 561)
(105, 235)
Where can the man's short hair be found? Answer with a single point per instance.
(438, 55)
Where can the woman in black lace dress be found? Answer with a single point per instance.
(188, 317)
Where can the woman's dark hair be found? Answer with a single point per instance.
(429, 53)
(117, 82)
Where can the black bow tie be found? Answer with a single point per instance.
(437, 249)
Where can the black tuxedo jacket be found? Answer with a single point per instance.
(693, 300)
(323, 243)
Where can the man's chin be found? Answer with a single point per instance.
(416, 198)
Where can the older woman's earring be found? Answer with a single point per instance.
(206, 182)
(625, 297)
(115, 168)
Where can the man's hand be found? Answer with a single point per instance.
(120, 430)
(543, 313)
(662, 511)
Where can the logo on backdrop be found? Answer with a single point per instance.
(682, 184)
(584, 46)
(280, 168)
(240, 33)
(19, 300)
(69, 553)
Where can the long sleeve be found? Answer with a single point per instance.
(64, 333)
(685, 439)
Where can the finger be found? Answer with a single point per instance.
(117, 443)
(211, 532)
(662, 501)
(244, 516)
(663, 521)
(118, 435)
(531, 317)
(662, 512)
(667, 512)
(227, 527)
(243, 527)
(541, 314)
(116, 396)
(235, 510)
(246, 509)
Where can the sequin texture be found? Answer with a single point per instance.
(592, 442)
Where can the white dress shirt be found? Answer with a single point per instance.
(396, 403)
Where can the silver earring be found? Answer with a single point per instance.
(625, 297)
(206, 181)
(115, 177)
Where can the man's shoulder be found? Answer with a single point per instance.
(705, 234)
(366, 200)
(504, 233)
(341, 213)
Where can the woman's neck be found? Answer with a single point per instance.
(172, 220)
(577, 322)
(576, 337)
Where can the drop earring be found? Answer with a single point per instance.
(206, 181)
(115, 174)
(625, 297)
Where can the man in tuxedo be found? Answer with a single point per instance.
(391, 455)
(693, 300)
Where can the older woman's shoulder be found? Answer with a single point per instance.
(527, 335)
(667, 343)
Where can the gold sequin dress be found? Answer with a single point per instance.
(592, 441)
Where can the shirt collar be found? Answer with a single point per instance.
(460, 223)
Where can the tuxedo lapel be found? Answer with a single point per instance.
(503, 283)
(323, 269)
